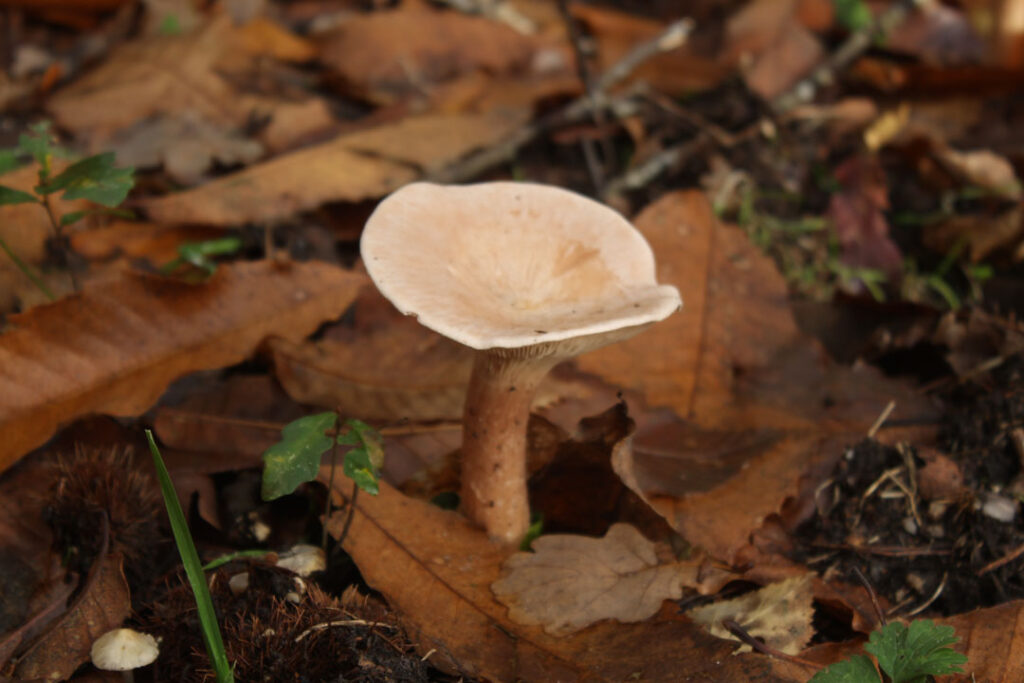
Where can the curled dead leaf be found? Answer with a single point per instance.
(780, 614)
(570, 582)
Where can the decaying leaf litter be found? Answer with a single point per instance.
(819, 181)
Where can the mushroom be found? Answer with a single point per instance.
(529, 275)
(124, 649)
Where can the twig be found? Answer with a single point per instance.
(351, 513)
(854, 46)
(330, 480)
(596, 115)
(1004, 560)
(886, 412)
(672, 37)
(734, 628)
(342, 622)
(935, 596)
(871, 595)
(661, 162)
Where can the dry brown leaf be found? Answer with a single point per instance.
(984, 168)
(185, 144)
(760, 401)
(157, 244)
(779, 614)
(174, 75)
(436, 569)
(386, 55)
(569, 582)
(116, 346)
(103, 604)
(393, 373)
(985, 234)
(357, 166)
(678, 72)
(768, 36)
(156, 75)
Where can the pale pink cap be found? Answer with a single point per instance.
(508, 265)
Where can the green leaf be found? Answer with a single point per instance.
(366, 437)
(854, 15)
(193, 569)
(295, 459)
(95, 178)
(359, 469)
(8, 160)
(8, 195)
(363, 462)
(856, 669)
(73, 217)
(910, 654)
(37, 145)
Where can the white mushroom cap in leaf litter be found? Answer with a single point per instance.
(506, 264)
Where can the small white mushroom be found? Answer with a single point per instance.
(529, 275)
(303, 559)
(124, 649)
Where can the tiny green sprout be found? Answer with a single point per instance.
(96, 178)
(199, 254)
(296, 458)
(905, 654)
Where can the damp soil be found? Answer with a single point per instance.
(934, 531)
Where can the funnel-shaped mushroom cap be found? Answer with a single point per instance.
(507, 265)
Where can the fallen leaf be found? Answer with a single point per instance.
(760, 402)
(678, 72)
(363, 165)
(857, 217)
(185, 144)
(983, 168)
(435, 569)
(778, 614)
(157, 244)
(103, 604)
(389, 54)
(133, 335)
(569, 582)
(396, 372)
(173, 75)
(985, 234)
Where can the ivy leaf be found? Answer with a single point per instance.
(363, 462)
(8, 195)
(359, 469)
(295, 459)
(856, 669)
(364, 436)
(910, 655)
(95, 178)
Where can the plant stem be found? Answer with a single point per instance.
(58, 232)
(330, 481)
(29, 273)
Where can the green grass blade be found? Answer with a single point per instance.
(193, 570)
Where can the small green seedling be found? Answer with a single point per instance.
(905, 654)
(193, 570)
(200, 254)
(94, 178)
(296, 458)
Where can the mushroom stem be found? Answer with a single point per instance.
(494, 440)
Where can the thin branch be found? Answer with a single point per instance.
(854, 46)
(672, 37)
